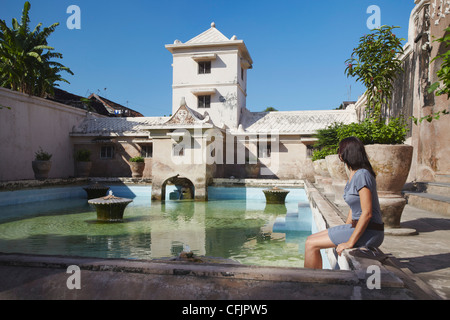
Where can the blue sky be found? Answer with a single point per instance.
(298, 47)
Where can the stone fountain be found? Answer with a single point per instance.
(96, 190)
(110, 208)
(275, 195)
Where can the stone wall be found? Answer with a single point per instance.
(432, 140)
(117, 166)
(30, 123)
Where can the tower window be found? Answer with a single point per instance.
(204, 101)
(204, 67)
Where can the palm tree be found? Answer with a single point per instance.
(25, 57)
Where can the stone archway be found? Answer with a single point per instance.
(185, 188)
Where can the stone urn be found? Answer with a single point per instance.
(391, 164)
(324, 179)
(83, 168)
(137, 169)
(317, 171)
(339, 177)
(41, 168)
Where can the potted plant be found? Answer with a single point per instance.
(83, 163)
(137, 166)
(41, 164)
(375, 63)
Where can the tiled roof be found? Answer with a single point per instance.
(285, 122)
(76, 101)
(294, 122)
(209, 36)
(111, 106)
(184, 117)
(106, 126)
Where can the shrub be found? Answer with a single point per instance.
(137, 159)
(83, 155)
(328, 141)
(41, 155)
(369, 132)
(375, 132)
(322, 153)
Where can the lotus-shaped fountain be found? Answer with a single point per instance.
(275, 195)
(110, 208)
(96, 190)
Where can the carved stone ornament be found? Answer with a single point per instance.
(182, 117)
(439, 9)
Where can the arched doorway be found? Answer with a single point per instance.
(185, 189)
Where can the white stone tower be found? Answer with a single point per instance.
(210, 73)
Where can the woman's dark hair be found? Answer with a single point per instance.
(351, 150)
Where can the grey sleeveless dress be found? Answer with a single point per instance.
(370, 238)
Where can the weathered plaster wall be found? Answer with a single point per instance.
(124, 149)
(433, 156)
(32, 123)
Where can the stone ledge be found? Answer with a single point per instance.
(157, 267)
(224, 182)
(45, 277)
(435, 203)
(29, 184)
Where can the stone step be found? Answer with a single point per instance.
(428, 201)
(445, 178)
(439, 188)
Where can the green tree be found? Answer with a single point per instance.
(375, 63)
(26, 63)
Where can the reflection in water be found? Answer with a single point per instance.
(247, 231)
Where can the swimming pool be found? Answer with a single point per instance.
(234, 224)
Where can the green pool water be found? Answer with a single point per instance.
(244, 230)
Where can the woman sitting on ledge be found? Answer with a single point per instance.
(364, 226)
